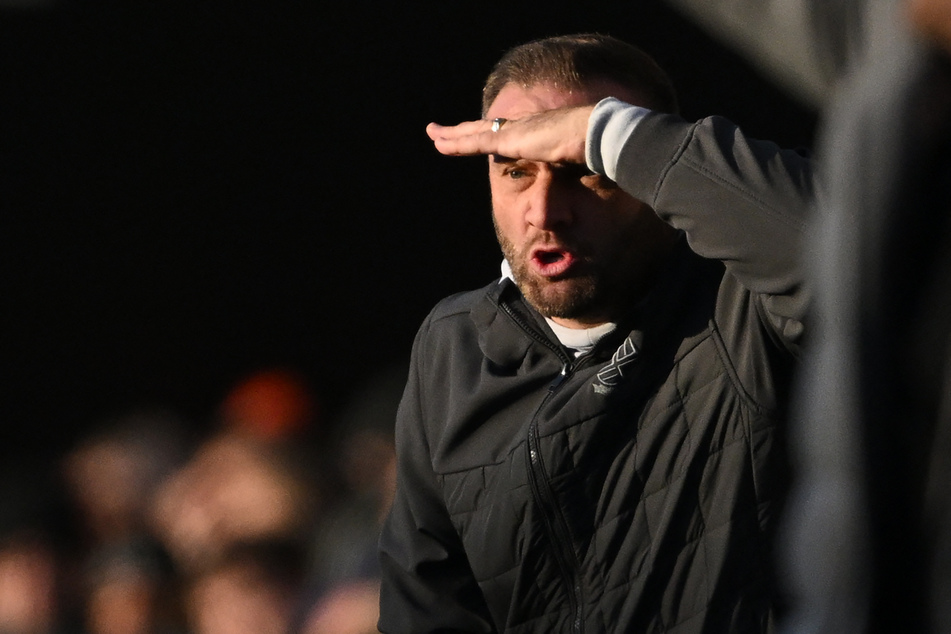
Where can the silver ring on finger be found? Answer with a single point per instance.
(498, 123)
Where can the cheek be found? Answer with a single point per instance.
(504, 232)
(503, 198)
(505, 217)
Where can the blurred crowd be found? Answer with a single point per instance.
(264, 522)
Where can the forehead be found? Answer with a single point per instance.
(517, 100)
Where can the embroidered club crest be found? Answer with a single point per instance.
(611, 374)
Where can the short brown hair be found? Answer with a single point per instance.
(571, 61)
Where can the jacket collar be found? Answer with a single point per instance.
(501, 339)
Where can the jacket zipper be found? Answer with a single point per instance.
(541, 489)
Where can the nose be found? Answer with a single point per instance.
(549, 205)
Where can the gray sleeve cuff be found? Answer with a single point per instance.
(611, 124)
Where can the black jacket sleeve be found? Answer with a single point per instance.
(739, 200)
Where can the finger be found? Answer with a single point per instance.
(435, 130)
(470, 145)
(466, 139)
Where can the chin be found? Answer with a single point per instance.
(569, 299)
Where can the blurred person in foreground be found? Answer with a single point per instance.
(870, 517)
(594, 442)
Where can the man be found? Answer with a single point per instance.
(593, 443)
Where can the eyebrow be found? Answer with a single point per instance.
(498, 159)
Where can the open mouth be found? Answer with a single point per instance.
(549, 257)
(552, 262)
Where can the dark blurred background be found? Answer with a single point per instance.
(194, 192)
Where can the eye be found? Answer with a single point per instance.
(515, 175)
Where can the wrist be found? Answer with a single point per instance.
(610, 124)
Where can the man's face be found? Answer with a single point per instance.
(579, 247)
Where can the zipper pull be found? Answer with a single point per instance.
(565, 369)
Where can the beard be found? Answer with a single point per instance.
(615, 259)
(576, 296)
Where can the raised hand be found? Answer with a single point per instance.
(552, 136)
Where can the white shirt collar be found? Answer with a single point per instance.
(580, 340)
